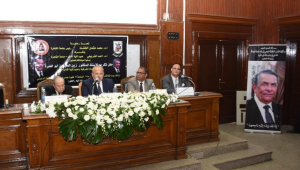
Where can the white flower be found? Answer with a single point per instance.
(33, 107)
(67, 104)
(106, 117)
(146, 119)
(157, 111)
(86, 117)
(81, 109)
(75, 117)
(137, 109)
(51, 112)
(120, 118)
(130, 113)
(109, 121)
(69, 110)
(142, 114)
(90, 111)
(70, 114)
(102, 111)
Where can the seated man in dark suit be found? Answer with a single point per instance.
(59, 88)
(173, 80)
(97, 84)
(261, 109)
(139, 83)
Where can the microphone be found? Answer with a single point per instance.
(95, 81)
(190, 79)
(92, 87)
(185, 77)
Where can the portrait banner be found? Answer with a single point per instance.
(265, 88)
(73, 57)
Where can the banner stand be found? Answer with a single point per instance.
(265, 88)
(261, 131)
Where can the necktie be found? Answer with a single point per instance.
(176, 83)
(268, 115)
(98, 88)
(41, 74)
(118, 71)
(141, 87)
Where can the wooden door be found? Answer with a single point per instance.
(292, 84)
(218, 72)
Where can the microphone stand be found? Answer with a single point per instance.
(93, 86)
(195, 93)
(190, 80)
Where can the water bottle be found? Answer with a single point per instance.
(152, 87)
(115, 90)
(43, 94)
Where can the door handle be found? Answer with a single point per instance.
(220, 83)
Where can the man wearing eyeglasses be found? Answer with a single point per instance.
(173, 80)
(139, 83)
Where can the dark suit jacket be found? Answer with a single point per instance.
(34, 78)
(68, 90)
(86, 88)
(117, 77)
(253, 115)
(167, 83)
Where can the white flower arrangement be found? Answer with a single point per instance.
(114, 115)
(37, 107)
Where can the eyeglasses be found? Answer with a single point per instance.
(140, 73)
(176, 68)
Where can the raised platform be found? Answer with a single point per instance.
(230, 153)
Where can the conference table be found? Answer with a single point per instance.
(33, 141)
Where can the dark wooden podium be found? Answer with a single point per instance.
(47, 148)
(202, 118)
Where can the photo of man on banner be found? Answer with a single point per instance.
(261, 107)
(266, 74)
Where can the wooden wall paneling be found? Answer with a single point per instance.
(171, 50)
(266, 31)
(153, 60)
(176, 10)
(290, 35)
(6, 65)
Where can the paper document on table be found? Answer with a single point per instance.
(185, 91)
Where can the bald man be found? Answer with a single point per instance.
(59, 88)
(97, 84)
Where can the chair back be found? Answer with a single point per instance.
(45, 83)
(79, 88)
(2, 95)
(124, 84)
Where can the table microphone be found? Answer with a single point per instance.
(92, 87)
(190, 79)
